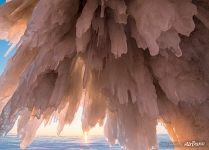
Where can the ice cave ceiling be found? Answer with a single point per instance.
(129, 63)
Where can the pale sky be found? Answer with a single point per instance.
(75, 128)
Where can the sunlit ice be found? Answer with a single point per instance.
(75, 129)
(85, 137)
(128, 64)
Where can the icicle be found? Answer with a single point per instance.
(118, 38)
(74, 53)
(14, 17)
(28, 132)
(84, 21)
(94, 104)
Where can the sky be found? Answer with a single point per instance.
(2, 1)
(3, 48)
(75, 128)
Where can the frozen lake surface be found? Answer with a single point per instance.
(72, 143)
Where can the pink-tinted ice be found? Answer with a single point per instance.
(128, 63)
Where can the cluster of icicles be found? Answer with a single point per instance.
(119, 59)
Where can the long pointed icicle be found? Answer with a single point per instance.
(128, 63)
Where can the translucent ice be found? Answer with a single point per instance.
(128, 63)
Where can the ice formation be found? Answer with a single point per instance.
(129, 63)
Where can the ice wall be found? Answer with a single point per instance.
(129, 63)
